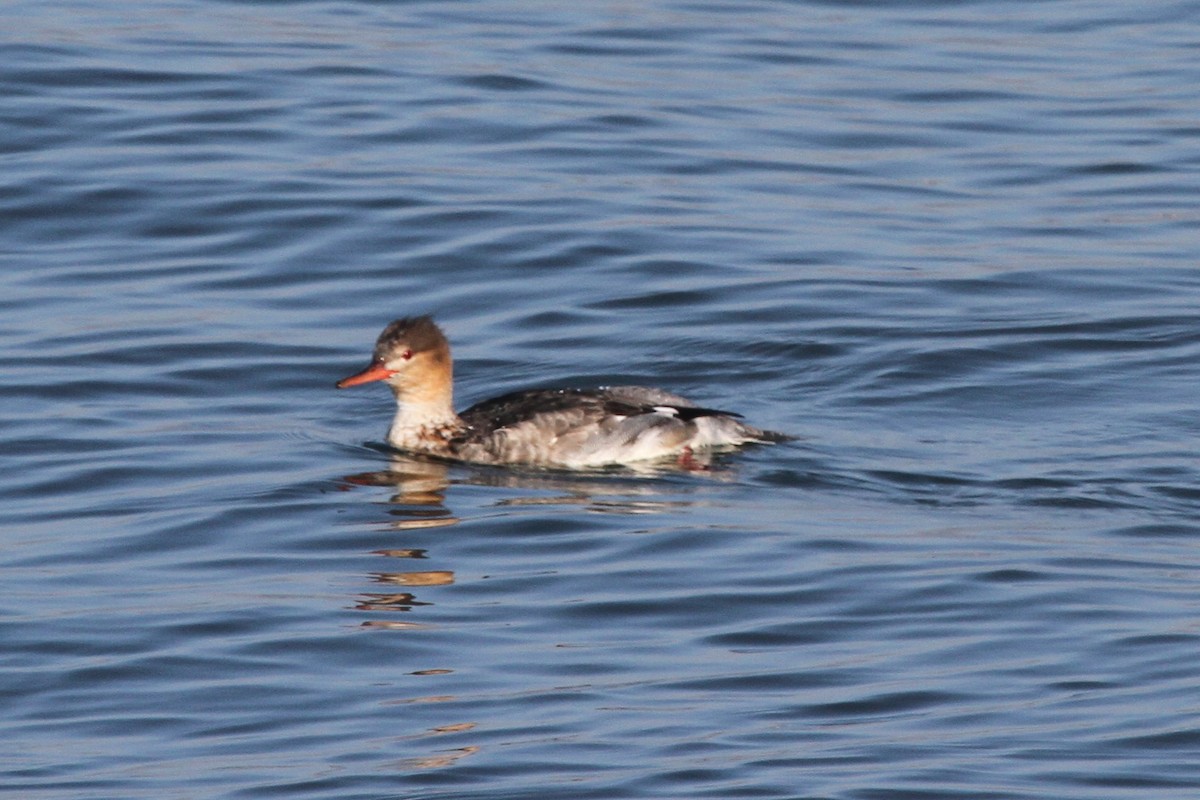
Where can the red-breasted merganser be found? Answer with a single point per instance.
(570, 428)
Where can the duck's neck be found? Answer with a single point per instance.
(425, 417)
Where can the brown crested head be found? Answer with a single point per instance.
(412, 355)
(414, 334)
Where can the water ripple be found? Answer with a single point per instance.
(952, 251)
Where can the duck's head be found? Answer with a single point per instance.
(411, 355)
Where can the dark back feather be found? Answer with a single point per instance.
(510, 410)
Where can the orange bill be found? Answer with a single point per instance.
(374, 372)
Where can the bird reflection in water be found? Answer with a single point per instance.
(419, 488)
(402, 601)
(418, 501)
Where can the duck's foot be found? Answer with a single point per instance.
(687, 460)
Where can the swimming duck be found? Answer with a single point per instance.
(564, 428)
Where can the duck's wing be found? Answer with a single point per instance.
(714, 427)
(657, 401)
(582, 427)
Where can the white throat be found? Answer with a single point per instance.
(414, 421)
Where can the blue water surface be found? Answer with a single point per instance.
(952, 247)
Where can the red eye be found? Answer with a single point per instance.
(406, 355)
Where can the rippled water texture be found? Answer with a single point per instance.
(951, 246)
